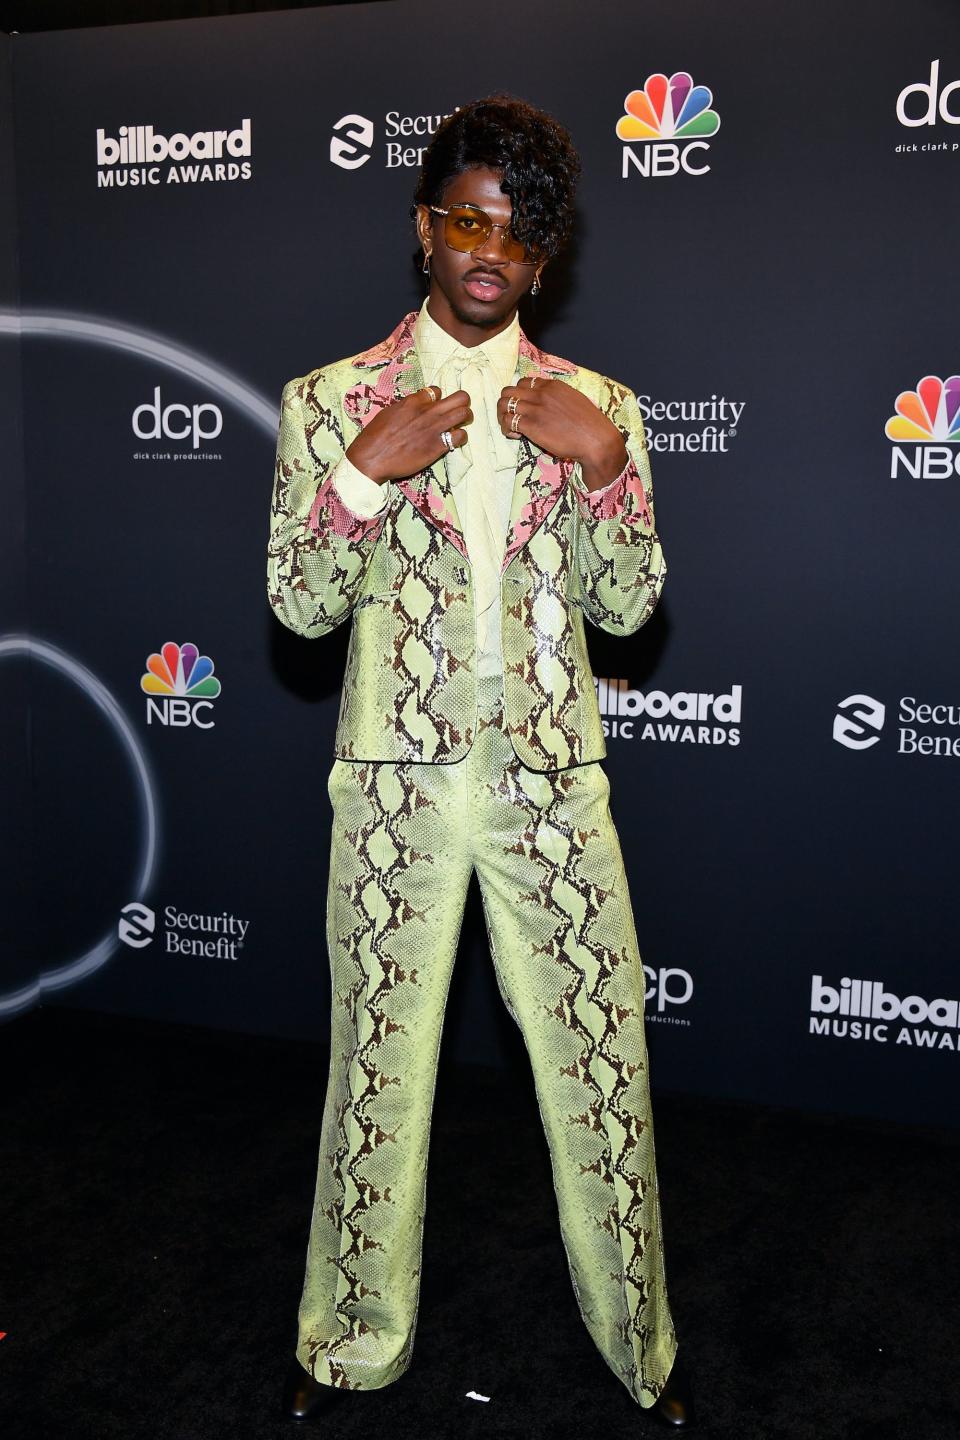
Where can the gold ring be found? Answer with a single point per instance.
(512, 405)
(515, 423)
(430, 389)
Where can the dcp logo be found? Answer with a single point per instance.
(177, 422)
(935, 101)
(351, 142)
(670, 986)
(858, 722)
(137, 924)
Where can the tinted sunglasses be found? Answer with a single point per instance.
(467, 227)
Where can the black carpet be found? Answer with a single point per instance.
(157, 1184)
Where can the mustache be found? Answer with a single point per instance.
(483, 274)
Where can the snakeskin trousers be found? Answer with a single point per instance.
(406, 839)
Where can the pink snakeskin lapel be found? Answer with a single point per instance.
(401, 375)
(540, 479)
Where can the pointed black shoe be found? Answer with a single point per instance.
(305, 1399)
(674, 1405)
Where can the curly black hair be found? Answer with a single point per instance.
(534, 153)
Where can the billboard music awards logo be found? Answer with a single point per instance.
(667, 125)
(180, 687)
(155, 420)
(405, 139)
(925, 727)
(139, 155)
(866, 1010)
(208, 937)
(688, 717)
(708, 426)
(927, 421)
(925, 103)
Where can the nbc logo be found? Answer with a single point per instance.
(927, 420)
(185, 686)
(670, 120)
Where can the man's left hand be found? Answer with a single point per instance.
(566, 424)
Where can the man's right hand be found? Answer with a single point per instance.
(404, 438)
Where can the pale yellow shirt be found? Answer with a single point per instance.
(480, 473)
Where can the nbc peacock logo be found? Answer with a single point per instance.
(180, 687)
(670, 122)
(926, 430)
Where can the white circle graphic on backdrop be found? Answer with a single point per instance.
(62, 325)
(12, 647)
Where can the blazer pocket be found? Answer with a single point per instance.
(383, 577)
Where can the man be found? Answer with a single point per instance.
(468, 499)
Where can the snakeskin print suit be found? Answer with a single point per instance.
(438, 775)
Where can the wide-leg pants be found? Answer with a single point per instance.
(406, 839)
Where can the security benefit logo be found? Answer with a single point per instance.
(137, 925)
(183, 932)
(138, 155)
(924, 727)
(353, 141)
(180, 687)
(688, 717)
(691, 427)
(189, 427)
(926, 430)
(929, 105)
(858, 722)
(867, 1010)
(667, 126)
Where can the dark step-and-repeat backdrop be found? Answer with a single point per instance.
(196, 212)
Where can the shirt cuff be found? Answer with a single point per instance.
(357, 491)
(622, 498)
(601, 489)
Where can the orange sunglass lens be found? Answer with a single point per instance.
(465, 229)
(518, 252)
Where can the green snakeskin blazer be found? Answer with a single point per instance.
(409, 691)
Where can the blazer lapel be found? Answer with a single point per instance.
(401, 375)
(540, 479)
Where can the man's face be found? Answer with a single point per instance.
(475, 294)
